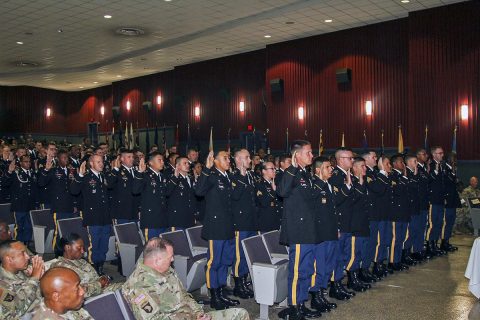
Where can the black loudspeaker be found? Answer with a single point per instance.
(344, 75)
(147, 105)
(276, 85)
(116, 112)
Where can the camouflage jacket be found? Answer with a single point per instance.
(154, 295)
(18, 294)
(469, 192)
(89, 278)
(42, 312)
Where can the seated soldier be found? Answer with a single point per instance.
(63, 296)
(5, 233)
(73, 250)
(19, 292)
(154, 290)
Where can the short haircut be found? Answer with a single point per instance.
(367, 153)
(341, 149)
(69, 240)
(318, 161)
(410, 156)
(124, 150)
(191, 149)
(102, 144)
(62, 151)
(298, 145)
(358, 159)
(51, 143)
(434, 148)
(172, 155)
(3, 226)
(263, 165)
(284, 157)
(154, 246)
(421, 150)
(5, 247)
(395, 158)
(96, 149)
(238, 151)
(25, 156)
(179, 159)
(153, 154)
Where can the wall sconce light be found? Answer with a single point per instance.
(301, 113)
(197, 111)
(129, 105)
(48, 112)
(242, 106)
(464, 112)
(159, 99)
(368, 108)
(102, 110)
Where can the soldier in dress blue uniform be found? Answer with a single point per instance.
(92, 185)
(436, 195)
(182, 204)
(284, 161)
(419, 252)
(74, 151)
(452, 202)
(326, 249)
(58, 179)
(124, 204)
(23, 188)
(244, 219)
(150, 184)
(268, 202)
(400, 212)
(170, 166)
(43, 192)
(298, 229)
(341, 182)
(412, 253)
(215, 185)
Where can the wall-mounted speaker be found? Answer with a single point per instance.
(276, 85)
(344, 75)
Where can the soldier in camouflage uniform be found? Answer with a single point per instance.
(463, 223)
(19, 292)
(63, 297)
(154, 290)
(73, 251)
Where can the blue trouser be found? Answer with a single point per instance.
(220, 257)
(23, 226)
(399, 232)
(407, 241)
(435, 222)
(59, 216)
(384, 240)
(357, 247)
(99, 238)
(300, 269)
(345, 244)
(371, 245)
(240, 266)
(150, 233)
(325, 261)
(448, 222)
(416, 232)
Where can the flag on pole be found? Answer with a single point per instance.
(320, 143)
(287, 147)
(343, 139)
(425, 142)
(132, 137)
(147, 141)
(165, 150)
(382, 151)
(107, 136)
(114, 143)
(228, 140)
(155, 137)
(400, 140)
(267, 140)
(365, 142)
(210, 144)
(454, 142)
(127, 139)
(137, 137)
(120, 135)
(189, 139)
(177, 137)
(306, 135)
(254, 142)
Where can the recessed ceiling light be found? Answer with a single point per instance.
(95, 82)
(19, 42)
(119, 75)
(59, 30)
(107, 16)
(267, 36)
(328, 20)
(80, 87)
(405, 1)
(168, 0)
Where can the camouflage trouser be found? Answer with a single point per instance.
(230, 314)
(463, 222)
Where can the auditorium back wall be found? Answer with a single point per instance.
(417, 71)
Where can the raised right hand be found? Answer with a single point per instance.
(142, 166)
(83, 168)
(209, 162)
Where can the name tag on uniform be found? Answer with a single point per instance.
(94, 191)
(324, 200)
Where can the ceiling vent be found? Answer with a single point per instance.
(130, 31)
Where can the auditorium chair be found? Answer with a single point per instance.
(73, 225)
(269, 280)
(130, 245)
(109, 305)
(276, 251)
(197, 244)
(43, 229)
(190, 268)
(7, 215)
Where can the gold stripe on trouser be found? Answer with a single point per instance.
(209, 263)
(314, 275)
(55, 233)
(173, 228)
(15, 229)
(407, 235)
(259, 233)
(146, 234)
(377, 246)
(429, 223)
(332, 278)
(237, 253)
(392, 246)
(81, 214)
(352, 254)
(90, 246)
(444, 223)
(117, 250)
(295, 274)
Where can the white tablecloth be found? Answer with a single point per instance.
(473, 269)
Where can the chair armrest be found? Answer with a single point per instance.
(39, 226)
(264, 265)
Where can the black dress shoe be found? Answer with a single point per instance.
(451, 248)
(229, 302)
(291, 313)
(365, 276)
(403, 266)
(246, 285)
(353, 282)
(330, 305)
(391, 268)
(317, 302)
(336, 293)
(239, 289)
(308, 313)
(215, 301)
(351, 294)
(377, 271)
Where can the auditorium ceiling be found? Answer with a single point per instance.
(79, 44)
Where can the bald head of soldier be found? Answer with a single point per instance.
(158, 254)
(61, 290)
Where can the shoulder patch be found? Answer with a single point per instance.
(335, 189)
